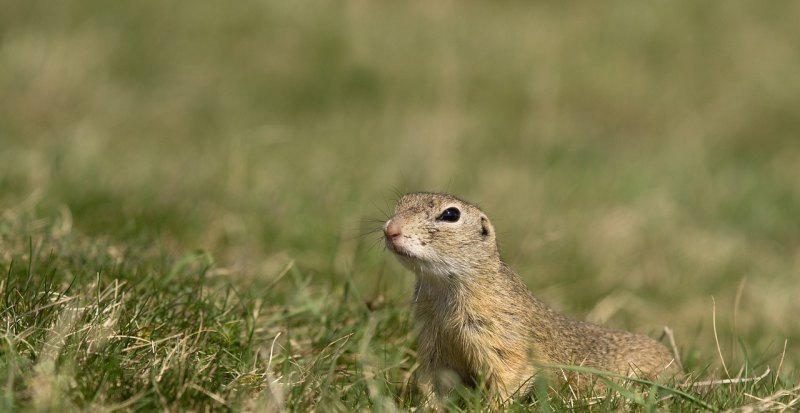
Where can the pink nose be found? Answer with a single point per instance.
(391, 230)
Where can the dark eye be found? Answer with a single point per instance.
(449, 215)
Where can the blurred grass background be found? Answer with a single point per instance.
(636, 159)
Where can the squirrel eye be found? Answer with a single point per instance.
(449, 215)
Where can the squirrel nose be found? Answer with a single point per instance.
(391, 230)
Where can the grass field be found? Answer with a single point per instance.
(189, 192)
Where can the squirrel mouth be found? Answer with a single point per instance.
(398, 250)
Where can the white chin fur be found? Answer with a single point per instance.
(425, 262)
(426, 268)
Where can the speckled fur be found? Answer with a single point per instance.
(476, 317)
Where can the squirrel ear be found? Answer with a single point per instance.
(485, 227)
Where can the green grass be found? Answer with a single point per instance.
(189, 192)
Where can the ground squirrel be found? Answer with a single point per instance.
(477, 319)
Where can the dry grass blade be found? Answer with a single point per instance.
(716, 337)
(776, 402)
(737, 380)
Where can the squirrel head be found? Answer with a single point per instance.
(439, 235)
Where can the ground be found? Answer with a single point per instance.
(190, 193)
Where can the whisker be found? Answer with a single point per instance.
(375, 242)
(368, 233)
(373, 221)
(396, 191)
(384, 211)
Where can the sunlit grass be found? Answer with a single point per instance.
(187, 191)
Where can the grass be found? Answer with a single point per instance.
(187, 192)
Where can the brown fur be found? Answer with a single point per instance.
(476, 317)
